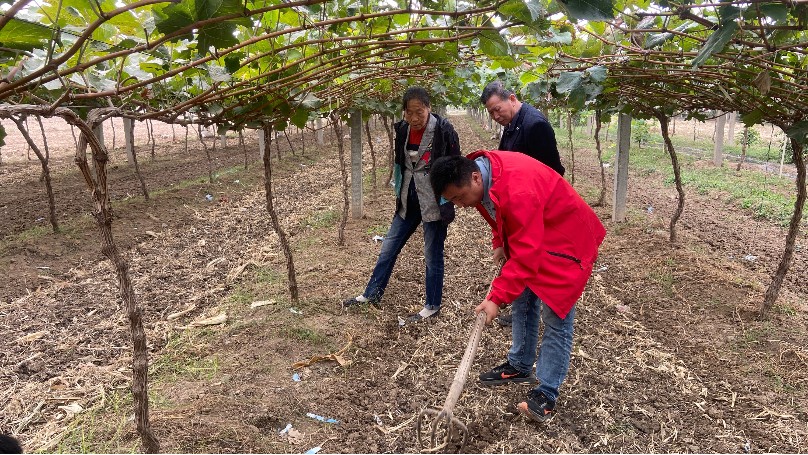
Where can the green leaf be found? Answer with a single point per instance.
(232, 62)
(653, 40)
(173, 17)
(218, 36)
(577, 98)
(76, 12)
(311, 102)
(207, 9)
(776, 12)
(300, 117)
(215, 108)
(558, 37)
(799, 132)
(728, 13)
(530, 13)
(528, 77)
(402, 20)
(217, 73)
(24, 35)
(493, 44)
(715, 43)
(752, 118)
(597, 73)
(568, 82)
(590, 10)
(598, 27)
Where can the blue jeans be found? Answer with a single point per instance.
(528, 311)
(401, 229)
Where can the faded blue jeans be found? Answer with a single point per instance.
(528, 311)
(401, 229)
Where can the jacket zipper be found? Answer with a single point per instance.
(567, 256)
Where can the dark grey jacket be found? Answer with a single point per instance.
(530, 133)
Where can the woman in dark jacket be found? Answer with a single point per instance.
(421, 138)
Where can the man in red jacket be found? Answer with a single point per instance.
(549, 238)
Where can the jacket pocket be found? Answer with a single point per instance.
(567, 256)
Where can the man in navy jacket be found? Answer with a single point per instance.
(526, 130)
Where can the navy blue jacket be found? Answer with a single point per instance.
(530, 133)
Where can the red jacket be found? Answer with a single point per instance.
(550, 235)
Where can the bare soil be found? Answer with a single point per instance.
(669, 355)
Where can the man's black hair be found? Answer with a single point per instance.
(9, 445)
(451, 170)
(495, 88)
(416, 93)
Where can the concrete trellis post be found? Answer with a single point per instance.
(261, 144)
(319, 124)
(129, 135)
(621, 168)
(356, 164)
(718, 147)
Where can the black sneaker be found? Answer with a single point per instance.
(347, 303)
(537, 407)
(418, 318)
(504, 374)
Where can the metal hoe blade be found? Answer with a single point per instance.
(445, 428)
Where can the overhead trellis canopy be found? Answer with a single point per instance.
(236, 62)
(747, 57)
(242, 62)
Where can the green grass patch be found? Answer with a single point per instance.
(377, 229)
(323, 219)
(766, 196)
(101, 429)
(181, 360)
(71, 228)
(241, 297)
(269, 276)
(304, 334)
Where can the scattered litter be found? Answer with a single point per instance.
(602, 268)
(378, 420)
(337, 357)
(650, 209)
(214, 320)
(378, 238)
(31, 336)
(43, 267)
(286, 429)
(622, 308)
(605, 165)
(209, 197)
(747, 447)
(295, 310)
(72, 408)
(40, 219)
(296, 377)
(750, 258)
(296, 437)
(260, 303)
(321, 418)
(173, 316)
(314, 450)
(236, 181)
(401, 322)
